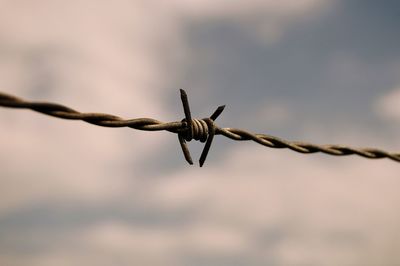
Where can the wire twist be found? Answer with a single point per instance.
(188, 129)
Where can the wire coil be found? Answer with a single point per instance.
(197, 131)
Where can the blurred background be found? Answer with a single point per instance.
(322, 71)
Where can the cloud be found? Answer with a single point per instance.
(264, 20)
(253, 204)
(93, 57)
(227, 8)
(309, 208)
(256, 204)
(106, 61)
(388, 106)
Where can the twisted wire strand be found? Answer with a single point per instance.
(181, 127)
(98, 119)
(303, 147)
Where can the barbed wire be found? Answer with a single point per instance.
(188, 128)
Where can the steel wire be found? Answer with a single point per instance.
(189, 128)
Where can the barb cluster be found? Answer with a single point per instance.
(198, 129)
(188, 128)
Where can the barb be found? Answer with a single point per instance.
(203, 130)
(188, 128)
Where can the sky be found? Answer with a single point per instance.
(321, 71)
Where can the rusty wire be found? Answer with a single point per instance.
(189, 128)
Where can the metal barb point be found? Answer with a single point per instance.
(186, 109)
(189, 132)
